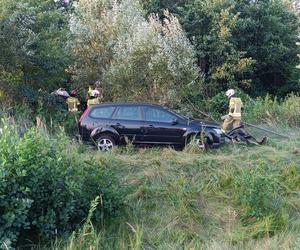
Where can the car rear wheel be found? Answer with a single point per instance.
(105, 143)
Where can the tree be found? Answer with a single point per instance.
(136, 58)
(33, 35)
(93, 31)
(210, 25)
(17, 39)
(260, 36)
(267, 31)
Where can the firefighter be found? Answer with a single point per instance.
(235, 110)
(94, 99)
(73, 101)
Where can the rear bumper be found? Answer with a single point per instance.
(84, 133)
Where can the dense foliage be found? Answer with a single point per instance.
(33, 35)
(146, 59)
(246, 44)
(249, 44)
(211, 25)
(46, 188)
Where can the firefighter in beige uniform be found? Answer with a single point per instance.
(235, 110)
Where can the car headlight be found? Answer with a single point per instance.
(218, 131)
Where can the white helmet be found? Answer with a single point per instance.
(61, 92)
(230, 93)
(95, 93)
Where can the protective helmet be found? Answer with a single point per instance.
(230, 93)
(95, 93)
(61, 92)
(73, 93)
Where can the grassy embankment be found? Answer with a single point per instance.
(237, 197)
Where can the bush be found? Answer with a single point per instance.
(42, 188)
(259, 195)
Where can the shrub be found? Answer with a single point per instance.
(259, 195)
(43, 188)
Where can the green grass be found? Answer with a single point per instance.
(189, 200)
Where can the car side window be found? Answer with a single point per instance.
(157, 115)
(128, 113)
(102, 112)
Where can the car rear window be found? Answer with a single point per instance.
(102, 112)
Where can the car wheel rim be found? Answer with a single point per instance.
(199, 143)
(105, 144)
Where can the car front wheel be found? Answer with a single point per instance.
(105, 143)
(203, 140)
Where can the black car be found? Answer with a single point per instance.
(110, 124)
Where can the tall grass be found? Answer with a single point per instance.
(272, 111)
(233, 198)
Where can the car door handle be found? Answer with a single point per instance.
(119, 125)
(151, 126)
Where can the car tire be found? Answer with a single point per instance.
(105, 142)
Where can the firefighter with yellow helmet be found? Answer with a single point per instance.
(235, 110)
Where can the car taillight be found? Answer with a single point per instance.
(84, 114)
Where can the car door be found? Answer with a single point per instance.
(101, 116)
(127, 120)
(161, 126)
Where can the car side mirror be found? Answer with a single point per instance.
(174, 121)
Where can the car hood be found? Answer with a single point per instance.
(205, 123)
